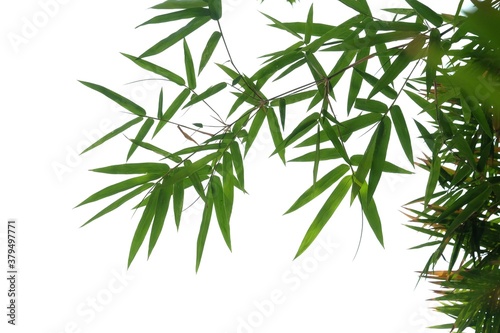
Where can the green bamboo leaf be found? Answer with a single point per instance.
(333, 135)
(188, 63)
(325, 213)
(370, 105)
(115, 204)
(220, 209)
(265, 72)
(180, 4)
(195, 149)
(426, 12)
(388, 166)
(410, 53)
(228, 183)
(402, 132)
(370, 210)
(209, 50)
(318, 29)
(340, 67)
(215, 8)
(172, 109)
(165, 193)
(309, 25)
(295, 98)
(383, 134)
(148, 146)
(363, 169)
(196, 181)
(143, 131)
(134, 168)
(274, 128)
(302, 128)
(433, 175)
(205, 223)
(117, 98)
(183, 172)
(356, 79)
(113, 133)
(282, 107)
(119, 187)
(434, 55)
(144, 225)
(356, 42)
(398, 26)
(178, 201)
(258, 120)
(238, 162)
(175, 37)
(319, 187)
(207, 93)
(290, 69)
(282, 26)
(324, 154)
(160, 104)
(149, 66)
(316, 156)
(356, 5)
(178, 15)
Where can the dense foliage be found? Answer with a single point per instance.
(459, 56)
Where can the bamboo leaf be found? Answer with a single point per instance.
(220, 209)
(115, 204)
(274, 128)
(188, 63)
(178, 15)
(178, 201)
(370, 105)
(165, 193)
(175, 37)
(426, 12)
(134, 168)
(143, 226)
(258, 120)
(356, 79)
(282, 107)
(119, 187)
(402, 132)
(113, 133)
(383, 134)
(228, 183)
(172, 109)
(238, 162)
(180, 4)
(370, 210)
(302, 128)
(119, 99)
(143, 131)
(324, 154)
(325, 213)
(209, 50)
(207, 93)
(410, 53)
(319, 187)
(215, 8)
(205, 223)
(309, 25)
(282, 26)
(173, 157)
(149, 66)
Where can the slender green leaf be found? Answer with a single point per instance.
(426, 12)
(402, 132)
(173, 157)
(282, 26)
(180, 4)
(282, 107)
(115, 204)
(274, 128)
(228, 183)
(119, 187)
(144, 225)
(309, 25)
(165, 193)
(215, 8)
(178, 15)
(370, 105)
(258, 120)
(302, 128)
(175, 37)
(209, 50)
(172, 109)
(134, 168)
(238, 162)
(188, 63)
(119, 99)
(143, 131)
(149, 66)
(356, 79)
(207, 93)
(178, 201)
(113, 133)
(205, 223)
(220, 209)
(325, 213)
(370, 210)
(319, 187)
(383, 134)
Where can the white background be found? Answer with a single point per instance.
(75, 280)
